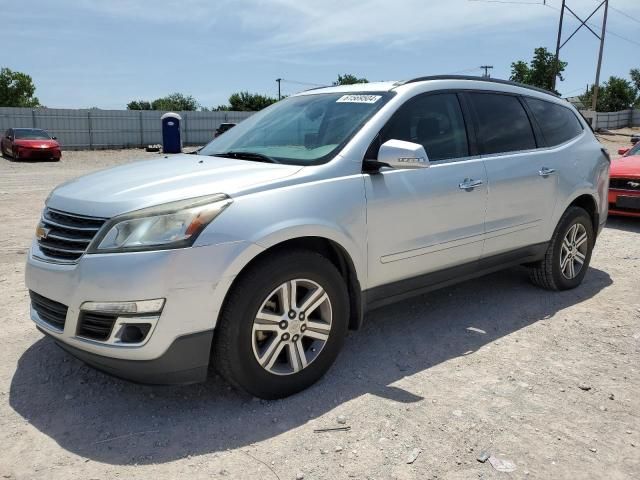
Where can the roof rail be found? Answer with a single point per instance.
(480, 79)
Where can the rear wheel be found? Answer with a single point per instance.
(282, 325)
(568, 255)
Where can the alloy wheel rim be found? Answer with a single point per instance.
(292, 326)
(574, 251)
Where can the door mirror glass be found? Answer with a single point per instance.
(403, 155)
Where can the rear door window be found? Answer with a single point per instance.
(557, 123)
(503, 124)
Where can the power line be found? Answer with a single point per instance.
(509, 2)
(308, 84)
(623, 38)
(581, 89)
(625, 14)
(467, 70)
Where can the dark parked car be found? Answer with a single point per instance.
(223, 128)
(30, 144)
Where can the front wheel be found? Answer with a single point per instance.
(569, 252)
(282, 325)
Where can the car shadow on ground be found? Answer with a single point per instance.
(113, 421)
(6, 157)
(626, 224)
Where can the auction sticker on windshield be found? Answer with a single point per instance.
(359, 99)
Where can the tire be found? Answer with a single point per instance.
(549, 273)
(241, 347)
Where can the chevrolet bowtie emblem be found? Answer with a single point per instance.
(41, 232)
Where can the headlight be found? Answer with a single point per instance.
(173, 225)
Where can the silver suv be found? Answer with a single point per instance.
(258, 254)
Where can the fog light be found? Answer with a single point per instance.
(135, 333)
(142, 306)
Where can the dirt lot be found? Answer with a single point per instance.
(549, 381)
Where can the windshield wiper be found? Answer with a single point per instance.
(252, 156)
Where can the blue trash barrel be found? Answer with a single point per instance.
(171, 141)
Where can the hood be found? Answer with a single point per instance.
(626, 167)
(22, 142)
(147, 183)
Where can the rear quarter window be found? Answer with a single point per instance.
(557, 123)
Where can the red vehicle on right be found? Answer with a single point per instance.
(624, 183)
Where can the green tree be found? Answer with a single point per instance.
(349, 79)
(635, 78)
(247, 102)
(17, 89)
(540, 72)
(139, 105)
(613, 95)
(175, 101)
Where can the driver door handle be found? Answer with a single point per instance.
(469, 184)
(545, 172)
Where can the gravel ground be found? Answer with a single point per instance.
(549, 381)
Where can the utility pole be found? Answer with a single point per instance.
(596, 87)
(583, 23)
(279, 94)
(553, 72)
(486, 68)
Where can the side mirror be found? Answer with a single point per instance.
(635, 140)
(623, 151)
(54, 138)
(403, 155)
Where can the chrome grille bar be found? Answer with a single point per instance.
(66, 235)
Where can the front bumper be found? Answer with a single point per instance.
(194, 282)
(185, 361)
(24, 153)
(624, 202)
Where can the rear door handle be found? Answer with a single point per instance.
(545, 172)
(469, 184)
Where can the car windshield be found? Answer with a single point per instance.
(301, 130)
(635, 150)
(31, 134)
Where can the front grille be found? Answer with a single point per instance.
(632, 184)
(67, 235)
(96, 326)
(53, 313)
(616, 208)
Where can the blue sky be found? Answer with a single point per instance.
(104, 53)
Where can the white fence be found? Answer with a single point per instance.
(612, 120)
(93, 129)
(89, 129)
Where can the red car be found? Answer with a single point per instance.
(624, 183)
(30, 144)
